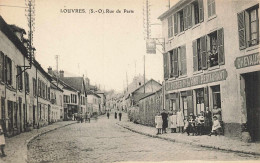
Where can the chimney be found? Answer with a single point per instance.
(61, 73)
(50, 71)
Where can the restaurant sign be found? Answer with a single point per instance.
(248, 60)
(197, 80)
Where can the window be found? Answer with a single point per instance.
(181, 21)
(166, 65)
(208, 51)
(195, 15)
(49, 91)
(248, 27)
(216, 96)
(211, 8)
(199, 100)
(178, 65)
(170, 27)
(26, 81)
(39, 87)
(1, 66)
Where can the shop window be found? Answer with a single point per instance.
(170, 26)
(185, 106)
(211, 8)
(248, 27)
(178, 62)
(199, 100)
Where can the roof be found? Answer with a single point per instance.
(150, 94)
(5, 28)
(92, 93)
(140, 96)
(17, 29)
(53, 86)
(39, 67)
(75, 82)
(152, 80)
(174, 7)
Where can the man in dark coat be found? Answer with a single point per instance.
(165, 120)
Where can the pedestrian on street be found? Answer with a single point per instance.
(208, 121)
(107, 114)
(165, 121)
(2, 139)
(115, 115)
(120, 116)
(172, 122)
(158, 123)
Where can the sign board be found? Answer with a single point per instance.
(197, 80)
(247, 60)
(150, 46)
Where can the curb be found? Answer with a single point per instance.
(40, 134)
(190, 142)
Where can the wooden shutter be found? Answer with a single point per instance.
(165, 65)
(195, 56)
(201, 11)
(175, 62)
(206, 97)
(183, 60)
(175, 24)
(213, 7)
(1, 66)
(204, 56)
(241, 30)
(189, 17)
(221, 53)
(13, 74)
(185, 14)
(167, 104)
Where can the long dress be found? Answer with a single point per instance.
(180, 118)
(173, 121)
(2, 137)
(158, 121)
(164, 119)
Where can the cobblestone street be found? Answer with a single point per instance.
(104, 141)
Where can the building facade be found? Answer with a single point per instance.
(211, 60)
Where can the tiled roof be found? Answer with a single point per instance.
(75, 82)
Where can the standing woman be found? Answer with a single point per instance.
(158, 123)
(208, 120)
(108, 114)
(2, 139)
(180, 121)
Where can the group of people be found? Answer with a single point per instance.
(203, 123)
(81, 117)
(119, 115)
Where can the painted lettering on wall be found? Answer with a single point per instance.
(197, 80)
(248, 60)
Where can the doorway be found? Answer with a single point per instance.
(252, 89)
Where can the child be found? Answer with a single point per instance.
(158, 123)
(2, 140)
(173, 123)
(216, 127)
(191, 127)
(200, 123)
(186, 126)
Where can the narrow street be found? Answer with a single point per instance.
(103, 140)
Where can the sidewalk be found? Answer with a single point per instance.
(16, 147)
(215, 142)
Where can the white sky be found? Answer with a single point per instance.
(101, 46)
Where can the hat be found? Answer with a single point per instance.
(215, 117)
(191, 113)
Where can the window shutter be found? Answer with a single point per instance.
(165, 65)
(167, 104)
(209, 8)
(189, 16)
(201, 11)
(190, 104)
(183, 61)
(175, 62)
(175, 24)
(185, 14)
(1, 66)
(213, 7)
(206, 97)
(221, 54)
(169, 26)
(204, 56)
(241, 30)
(13, 74)
(195, 56)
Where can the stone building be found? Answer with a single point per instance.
(211, 60)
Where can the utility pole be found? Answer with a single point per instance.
(57, 68)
